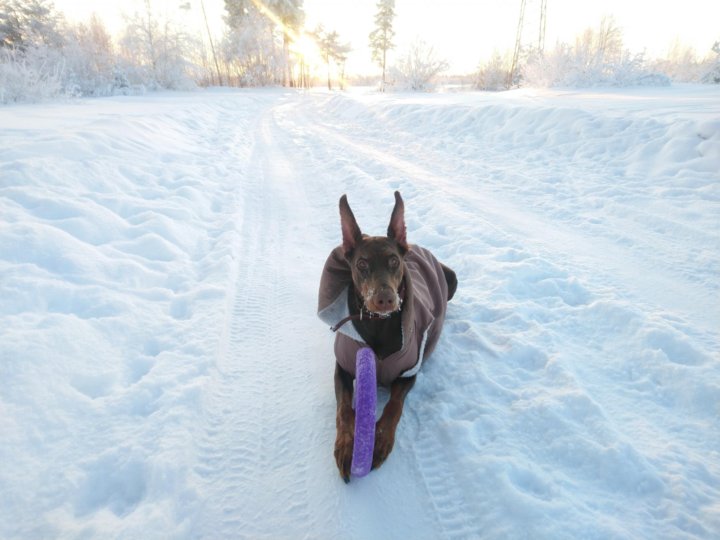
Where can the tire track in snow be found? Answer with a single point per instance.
(454, 518)
(252, 475)
(426, 471)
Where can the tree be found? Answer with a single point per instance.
(154, 49)
(597, 58)
(27, 23)
(285, 15)
(419, 67)
(340, 59)
(291, 17)
(681, 63)
(381, 37)
(90, 59)
(250, 54)
(493, 75)
(32, 66)
(237, 12)
(332, 51)
(712, 74)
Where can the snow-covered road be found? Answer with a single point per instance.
(163, 373)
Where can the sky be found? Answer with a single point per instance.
(466, 32)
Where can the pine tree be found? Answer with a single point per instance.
(381, 38)
(237, 11)
(332, 51)
(27, 23)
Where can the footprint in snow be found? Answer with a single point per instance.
(116, 481)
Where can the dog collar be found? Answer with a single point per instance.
(363, 316)
(371, 315)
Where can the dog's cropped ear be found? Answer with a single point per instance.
(351, 235)
(396, 229)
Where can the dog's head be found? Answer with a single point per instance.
(377, 262)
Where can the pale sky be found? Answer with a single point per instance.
(465, 32)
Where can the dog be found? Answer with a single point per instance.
(383, 293)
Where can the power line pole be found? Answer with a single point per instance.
(543, 22)
(518, 37)
(212, 46)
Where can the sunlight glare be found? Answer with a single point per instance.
(306, 47)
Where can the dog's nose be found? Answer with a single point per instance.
(385, 299)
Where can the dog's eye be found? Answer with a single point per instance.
(362, 265)
(394, 262)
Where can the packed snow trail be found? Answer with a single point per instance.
(164, 373)
(269, 412)
(256, 396)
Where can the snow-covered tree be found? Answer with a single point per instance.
(419, 67)
(245, 19)
(712, 70)
(155, 51)
(90, 59)
(28, 23)
(32, 75)
(597, 58)
(381, 38)
(292, 17)
(251, 54)
(236, 12)
(681, 64)
(493, 74)
(32, 66)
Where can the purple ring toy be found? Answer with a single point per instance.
(365, 400)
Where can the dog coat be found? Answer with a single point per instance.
(422, 315)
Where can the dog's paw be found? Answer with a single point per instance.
(344, 453)
(384, 442)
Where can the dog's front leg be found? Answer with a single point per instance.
(386, 426)
(345, 422)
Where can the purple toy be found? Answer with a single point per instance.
(365, 399)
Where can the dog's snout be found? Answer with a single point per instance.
(385, 299)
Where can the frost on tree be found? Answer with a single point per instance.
(257, 44)
(418, 68)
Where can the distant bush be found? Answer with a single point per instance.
(418, 69)
(493, 75)
(42, 56)
(564, 67)
(596, 59)
(31, 64)
(712, 66)
(90, 62)
(155, 53)
(32, 75)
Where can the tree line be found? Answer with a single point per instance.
(265, 43)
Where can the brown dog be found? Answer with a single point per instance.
(382, 293)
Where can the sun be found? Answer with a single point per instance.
(306, 47)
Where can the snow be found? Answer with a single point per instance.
(163, 373)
